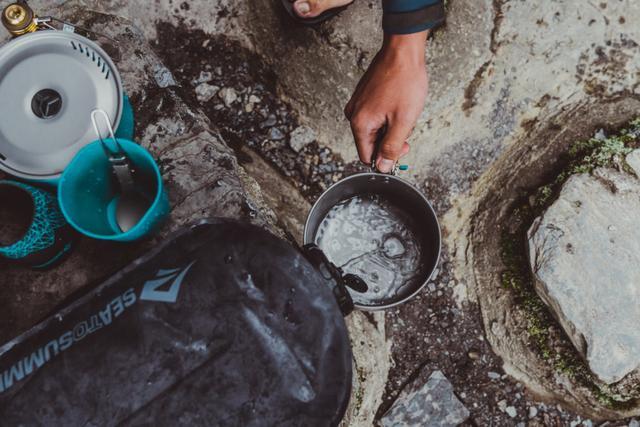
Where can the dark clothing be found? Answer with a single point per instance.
(411, 16)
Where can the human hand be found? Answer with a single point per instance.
(392, 93)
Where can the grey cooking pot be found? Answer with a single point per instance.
(50, 81)
(380, 229)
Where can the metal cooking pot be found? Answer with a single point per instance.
(380, 229)
(49, 83)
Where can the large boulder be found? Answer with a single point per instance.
(585, 251)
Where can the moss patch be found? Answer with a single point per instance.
(544, 333)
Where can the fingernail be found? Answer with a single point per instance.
(303, 8)
(385, 165)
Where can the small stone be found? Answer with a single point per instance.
(301, 137)
(205, 91)
(634, 423)
(163, 76)
(204, 77)
(431, 286)
(228, 95)
(511, 411)
(276, 134)
(533, 411)
(494, 375)
(473, 355)
(633, 160)
(502, 405)
(270, 122)
(254, 99)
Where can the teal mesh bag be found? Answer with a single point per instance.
(47, 238)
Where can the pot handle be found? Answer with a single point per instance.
(333, 273)
(396, 168)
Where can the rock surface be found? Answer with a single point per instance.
(431, 404)
(584, 251)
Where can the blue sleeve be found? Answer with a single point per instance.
(411, 16)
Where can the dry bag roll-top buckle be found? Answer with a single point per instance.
(333, 273)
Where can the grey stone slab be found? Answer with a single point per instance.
(431, 404)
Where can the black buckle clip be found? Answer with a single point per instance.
(333, 273)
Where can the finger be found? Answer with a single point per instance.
(349, 108)
(394, 145)
(365, 133)
(405, 149)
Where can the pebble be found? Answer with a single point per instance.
(163, 77)
(511, 411)
(494, 375)
(254, 99)
(474, 355)
(301, 137)
(205, 91)
(432, 287)
(276, 134)
(533, 411)
(634, 423)
(270, 122)
(502, 405)
(228, 95)
(205, 77)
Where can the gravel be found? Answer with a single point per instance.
(205, 91)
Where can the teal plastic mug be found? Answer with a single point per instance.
(89, 193)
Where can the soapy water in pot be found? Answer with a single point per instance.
(369, 236)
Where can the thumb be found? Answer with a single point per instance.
(394, 146)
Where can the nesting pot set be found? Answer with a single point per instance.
(50, 83)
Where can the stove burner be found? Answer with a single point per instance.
(46, 104)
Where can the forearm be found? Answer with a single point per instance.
(411, 16)
(409, 46)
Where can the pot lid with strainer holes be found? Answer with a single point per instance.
(50, 81)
